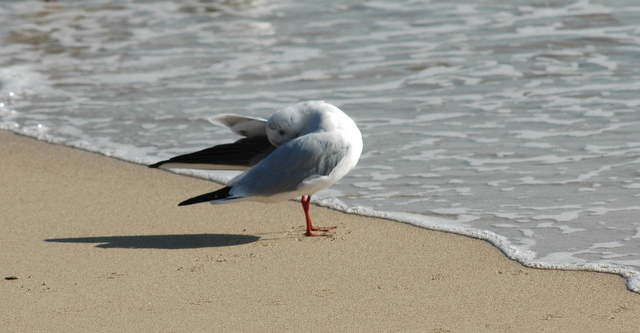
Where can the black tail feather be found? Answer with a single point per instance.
(217, 195)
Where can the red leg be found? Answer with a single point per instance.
(306, 202)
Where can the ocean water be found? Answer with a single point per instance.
(513, 121)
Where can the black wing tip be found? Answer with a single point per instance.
(245, 152)
(217, 195)
(157, 165)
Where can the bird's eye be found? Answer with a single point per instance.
(281, 132)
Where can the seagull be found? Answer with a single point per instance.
(298, 151)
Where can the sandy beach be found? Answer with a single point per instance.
(94, 244)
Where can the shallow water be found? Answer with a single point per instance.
(511, 121)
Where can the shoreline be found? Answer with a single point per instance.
(94, 243)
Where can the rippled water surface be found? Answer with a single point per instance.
(515, 121)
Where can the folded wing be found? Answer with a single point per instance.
(293, 165)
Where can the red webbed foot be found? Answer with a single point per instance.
(306, 201)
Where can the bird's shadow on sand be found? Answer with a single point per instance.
(169, 242)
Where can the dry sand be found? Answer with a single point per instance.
(93, 244)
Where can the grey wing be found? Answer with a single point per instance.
(287, 167)
(239, 155)
(241, 125)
